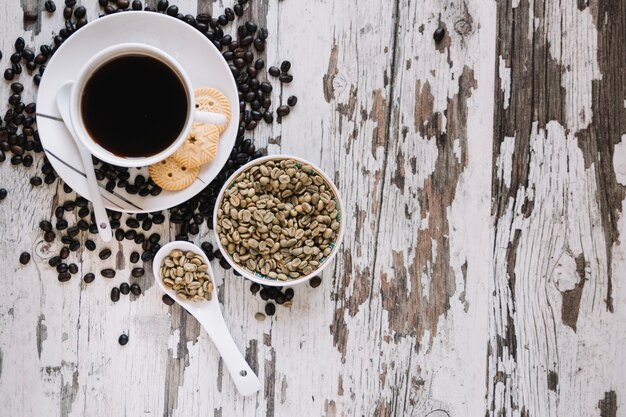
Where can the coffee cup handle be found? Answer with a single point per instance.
(212, 118)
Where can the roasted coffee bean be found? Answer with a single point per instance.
(135, 289)
(285, 78)
(268, 117)
(274, 71)
(64, 252)
(136, 5)
(49, 178)
(124, 288)
(122, 340)
(89, 277)
(155, 247)
(315, 281)
(158, 219)
(439, 34)
(9, 74)
(67, 12)
(27, 161)
(283, 111)
(108, 273)
(49, 236)
(61, 224)
(270, 309)
(69, 205)
(134, 257)
(82, 225)
(132, 223)
(207, 247)
(265, 295)
(217, 254)
(74, 245)
(73, 268)
(45, 225)
(24, 258)
(55, 261)
(122, 4)
(103, 3)
(66, 240)
(229, 13)
(30, 108)
(238, 9)
(14, 99)
(16, 160)
(167, 300)
(83, 212)
(62, 267)
(285, 66)
(93, 229)
(172, 11)
(146, 225)
(147, 256)
(254, 288)
(73, 231)
(90, 245)
(36, 78)
(154, 238)
(119, 235)
(292, 101)
(64, 276)
(50, 6)
(105, 254)
(17, 88)
(140, 238)
(70, 3)
(130, 234)
(162, 5)
(259, 44)
(289, 293)
(138, 272)
(80, 12)
(115, 294)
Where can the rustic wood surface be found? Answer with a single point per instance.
(482, 272)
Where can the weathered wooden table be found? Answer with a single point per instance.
(482, 272)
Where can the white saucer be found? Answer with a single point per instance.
(203, 62)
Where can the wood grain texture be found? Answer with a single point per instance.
(554, 347)
(482, 271)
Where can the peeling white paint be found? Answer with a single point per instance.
(504, 73)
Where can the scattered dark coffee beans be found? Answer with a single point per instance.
(104, 254)
(45, 225)
(270, 309)
(89, 277)
(138, 272)
(64, 276)
(73, 268)
(124, 288)
(90, 245)
(289, 293)
(36, 181)
(315, 281)
(49, 236)
(24, 258)
(50, 6)
(74, 245)
(64, 252)
(134, 257)
(135, 289)
(168, 300)
(439, 34)
(115, 294)
(108, 273)
(292, 101)
(122, 340)
(254, 288)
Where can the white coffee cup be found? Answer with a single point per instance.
(126, 49)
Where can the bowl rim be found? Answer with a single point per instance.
(269, 281)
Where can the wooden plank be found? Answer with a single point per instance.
(555, 319)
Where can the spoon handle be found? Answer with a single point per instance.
(243, 376)
(102, 220)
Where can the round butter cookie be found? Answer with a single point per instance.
(214, 101)
(200, 147)
(173, 176)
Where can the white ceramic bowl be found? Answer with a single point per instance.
(263, 279)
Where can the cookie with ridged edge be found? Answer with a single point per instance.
(171, 175)
(214, 101)
(200, 147)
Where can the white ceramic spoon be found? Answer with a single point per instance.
(209, 315)
(102, 220)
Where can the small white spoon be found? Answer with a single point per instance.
(102, 220)
(209, 315)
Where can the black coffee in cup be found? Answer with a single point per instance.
(134, 105)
